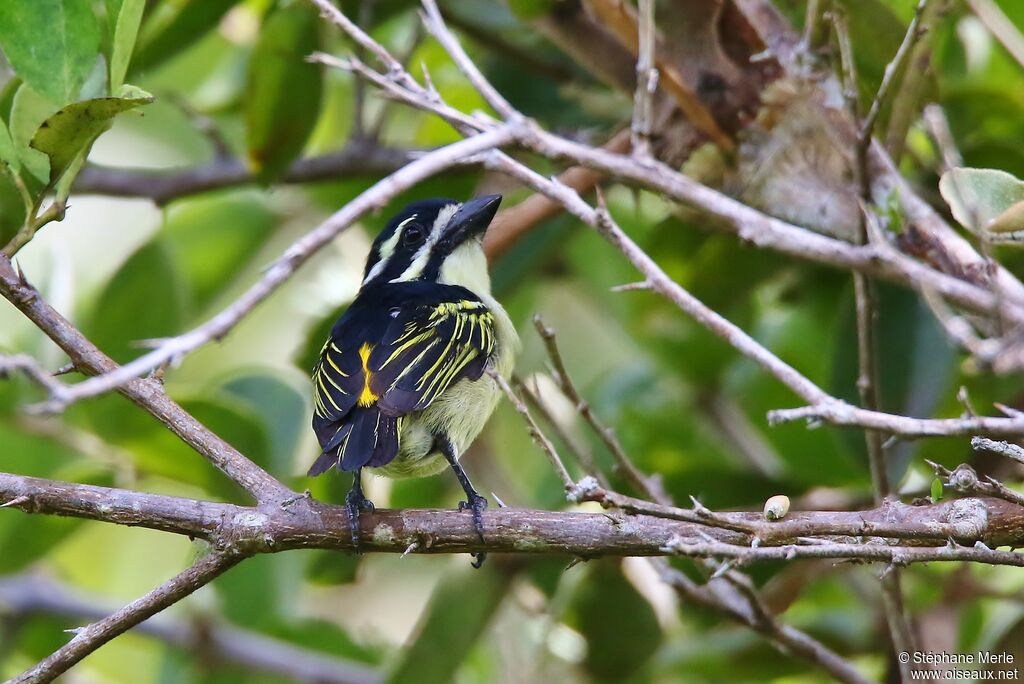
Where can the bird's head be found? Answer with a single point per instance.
(436, 240)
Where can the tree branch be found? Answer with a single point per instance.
(306, 523)
(89, 638)
(218, 644)
(357, 158)
(147, 393)
(175, 348)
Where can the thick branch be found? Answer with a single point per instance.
(219, 644)
(305, 523)
(89, 638)
(148, 394)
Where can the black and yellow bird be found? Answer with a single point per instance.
(400, 387)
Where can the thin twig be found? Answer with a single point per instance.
(999, 25)
(147, 394)
(582, 454)
(892, 70)
(1012, 451)
(646, 81)
(174, 349)
(624, 464)
(535, 432)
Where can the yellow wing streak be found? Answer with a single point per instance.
(331, 380)
(414, 363)
(323, 388)
(440, 359)
(415, 340)
(335, 367)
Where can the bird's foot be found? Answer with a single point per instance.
(355, 502)
(478, 505)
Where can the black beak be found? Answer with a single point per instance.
(471, 219)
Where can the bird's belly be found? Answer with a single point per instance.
(460, 413)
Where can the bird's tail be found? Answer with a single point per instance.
(367, 437)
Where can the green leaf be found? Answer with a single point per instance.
(283, 90)
(936, 490)
(619, 624)
(213, 237)
(125, 15)
(8, 153)
(1010, 221)
(458, 613)
(24, 540)
(144, 299)
(174, 26)
(978, 197)
(282, 411)
(28, 112)
(157, 451)
(52, 44)
(72, 130)
(12, 208)
(326, 567)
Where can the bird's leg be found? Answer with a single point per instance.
(356, 502)
(474, 501)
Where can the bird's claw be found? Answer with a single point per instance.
(478, 505)
(354, 503)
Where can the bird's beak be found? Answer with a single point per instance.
(471, 219)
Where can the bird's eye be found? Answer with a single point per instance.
(413, 235)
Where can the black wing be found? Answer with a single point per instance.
(397, 349)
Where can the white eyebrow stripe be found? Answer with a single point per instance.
(387, 248)
(419, 261)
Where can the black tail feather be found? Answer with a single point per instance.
(367, 438)
(326, 461)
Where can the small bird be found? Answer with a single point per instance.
(400, 387)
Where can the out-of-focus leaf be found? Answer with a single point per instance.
(212, 238)
(12, 208)
(174, 26)
(71, 131)
(308, 353)
(456, 616)
(28, 112)
(331, 567)
(283, 89)
(321, 635)
(52, 44)
(977, 197)
(143, 300)
(1010, 221)
(157, 451)
(621, 629)
(916, 365)
(124, 17)
(23, 541)
(531, 9)
(282, 410)
(8, 153)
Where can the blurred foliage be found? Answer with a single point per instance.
(682, 402)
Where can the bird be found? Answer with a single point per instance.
(401, 387)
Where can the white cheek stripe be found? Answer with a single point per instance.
(422, 256)
(387, 248)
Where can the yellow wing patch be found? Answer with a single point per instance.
(366, 397)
